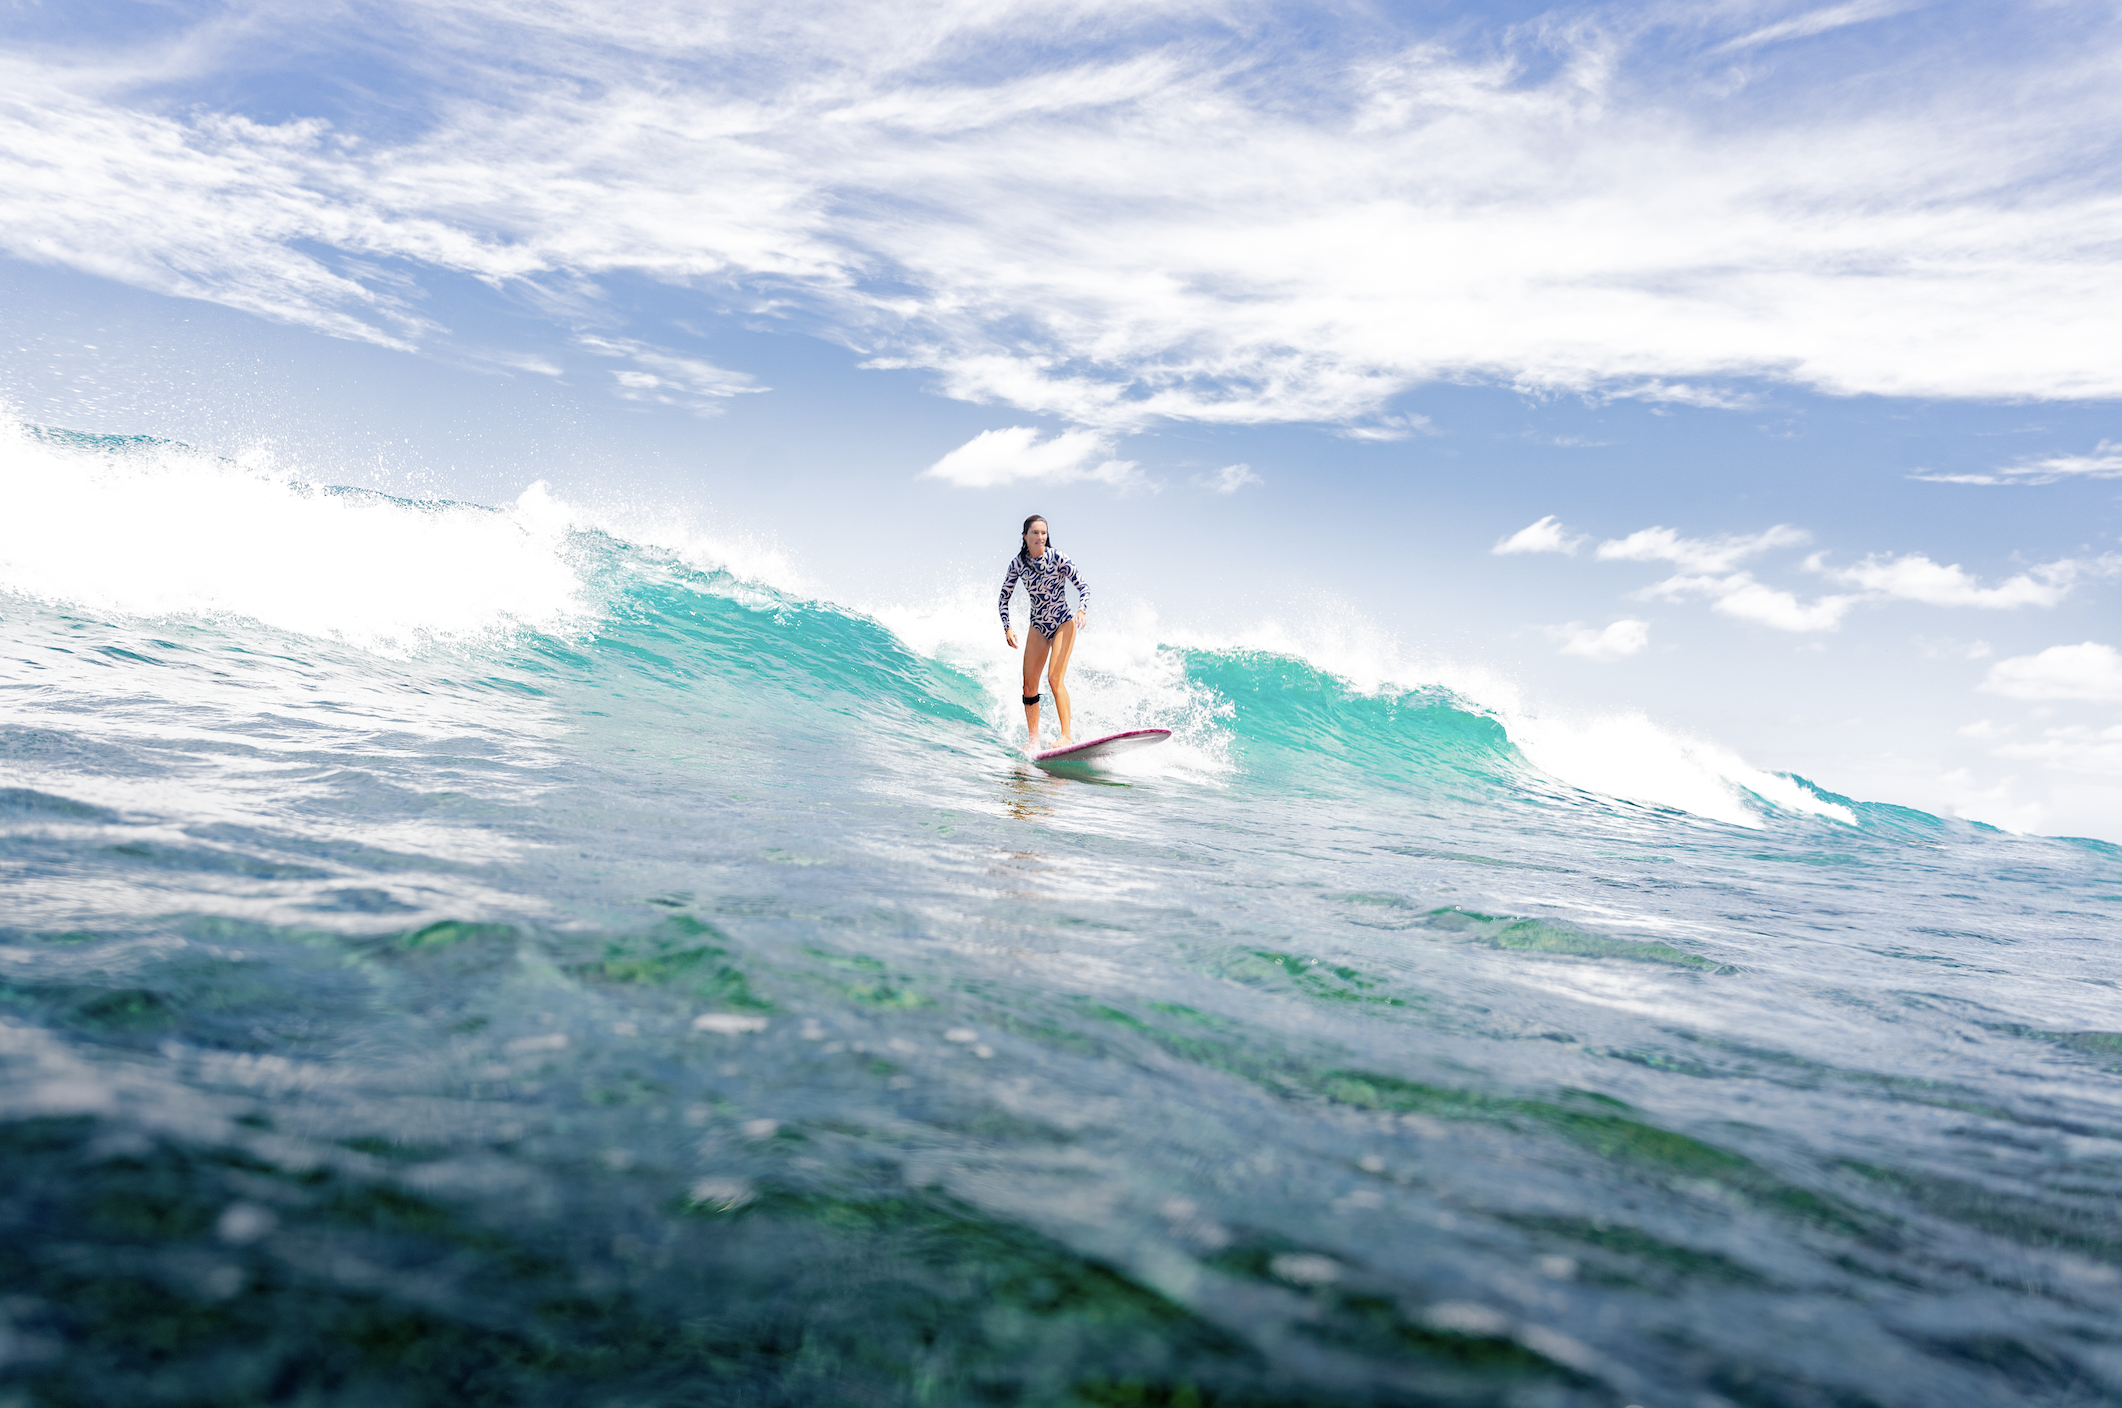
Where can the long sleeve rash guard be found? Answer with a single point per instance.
(1046, 578)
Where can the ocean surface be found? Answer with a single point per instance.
(456, 955)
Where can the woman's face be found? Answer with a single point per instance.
(1035, 537)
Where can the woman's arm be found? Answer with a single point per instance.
(1009, 585)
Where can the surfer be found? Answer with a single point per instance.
(1045, 574)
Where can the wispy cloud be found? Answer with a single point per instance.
(1386, 428)
(669, 379)
(1710, 569)
(1114, 214)
(2075, 749)
(1814, 22)
(1740, 596)
(1949, 649)
(515, 361)
(1616, 641)
(1668, 393)
(1545, 535)
(2105, 462)
(1229, 479)
(1914, 577)
(1017, 455)
(1718, 554)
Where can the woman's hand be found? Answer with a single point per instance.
(1009, 634)
(1083, 619)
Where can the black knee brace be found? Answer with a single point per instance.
(1031, 699)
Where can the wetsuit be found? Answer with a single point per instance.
(1045, 578)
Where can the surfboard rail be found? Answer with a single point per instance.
(1104, 746)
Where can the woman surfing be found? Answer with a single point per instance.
(1046, 575)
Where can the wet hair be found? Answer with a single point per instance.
(1023, 549)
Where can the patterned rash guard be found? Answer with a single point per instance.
(1044, 579)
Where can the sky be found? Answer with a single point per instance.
(1748, 366)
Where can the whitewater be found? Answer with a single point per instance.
(463, 955)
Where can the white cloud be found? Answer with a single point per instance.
(669, 379)
(1814, 22)
(2105, 462)
(1017, 455)
(2085, 671)
(1950, 649)
(1739, 595)
(1546, 535)
(1034, 201)
(1617, 641)
(1915, 577)
(1682, 394)
(1385, 428)
(2076, 750)
(515, 361)
(1912, 577)
(1718, 554)
(1229, 479)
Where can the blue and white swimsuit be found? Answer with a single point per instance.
(1045, 580)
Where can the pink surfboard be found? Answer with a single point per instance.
(1093, 749)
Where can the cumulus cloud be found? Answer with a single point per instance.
(1017, 455)
(1114, 214)
(1546, 535)
(1880, 578)
(1229, 479)
(1914, 577)
(2105, 462)
(2088, 670)
(1738, 595)
(1718, 554)
(1617, 641)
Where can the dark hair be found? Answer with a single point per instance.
(1023, 550)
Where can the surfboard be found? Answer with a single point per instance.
(1090, 750)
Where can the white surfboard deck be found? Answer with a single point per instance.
(1093, 749)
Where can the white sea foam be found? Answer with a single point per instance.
(162, 530)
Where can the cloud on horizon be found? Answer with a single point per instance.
(1119, 214)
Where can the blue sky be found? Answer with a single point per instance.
(1283, 314)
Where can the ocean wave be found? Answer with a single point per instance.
(152, 529)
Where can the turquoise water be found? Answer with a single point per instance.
(459, 956)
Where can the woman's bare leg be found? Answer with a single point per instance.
(1057, 674)
(1036, 647)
